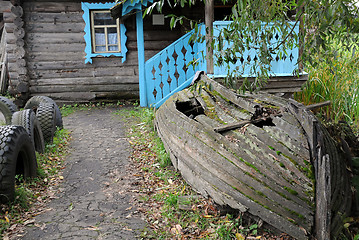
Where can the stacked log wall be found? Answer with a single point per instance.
(12, 12)
(56, 58)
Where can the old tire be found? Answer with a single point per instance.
(34, 102)
(46, 115)
(29, 121)
(17, 156)
(8, 108)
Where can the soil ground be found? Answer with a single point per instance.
(93, 201)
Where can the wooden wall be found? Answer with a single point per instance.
(12, 14)
(55, 54)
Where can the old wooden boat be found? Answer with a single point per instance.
(258, 153)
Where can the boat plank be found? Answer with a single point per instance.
(290, 143)
(239, 152)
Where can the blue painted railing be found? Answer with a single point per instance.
(281, 65)
(168, 71)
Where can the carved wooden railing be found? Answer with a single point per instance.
(168, 71)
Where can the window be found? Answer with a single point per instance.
(104, 36)
(105, 32)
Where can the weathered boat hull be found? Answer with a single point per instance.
(265, 170)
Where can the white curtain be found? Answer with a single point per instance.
(112, 38)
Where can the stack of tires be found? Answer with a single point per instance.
(25, 132)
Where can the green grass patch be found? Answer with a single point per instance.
(142, 129)
(334, 78)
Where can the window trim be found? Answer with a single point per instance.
(87, 7)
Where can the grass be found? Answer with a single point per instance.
(30, 193)
(334, 78)
(68, 109)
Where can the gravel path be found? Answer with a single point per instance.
(94, 202)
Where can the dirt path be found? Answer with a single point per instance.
(94, 202)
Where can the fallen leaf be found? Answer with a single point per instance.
(29, 222)
(129, 208)
(12, 227)
(7, 219)
(61, 177)
(240, 236)
(128, 229)
(42, 227)
(92, 228)
(179, 229)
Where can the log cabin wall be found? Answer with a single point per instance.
(12, 14)
(55, 56)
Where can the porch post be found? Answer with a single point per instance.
(209, 19)
(141, 59)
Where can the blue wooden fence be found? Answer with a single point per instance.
(281, 65)
(168, 71)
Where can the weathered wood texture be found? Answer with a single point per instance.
(55, 54)
(3, 62)
(12, 13)
(278, 85)
(333, 188)
(265, 170)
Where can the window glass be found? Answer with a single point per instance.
(112, 35)
(113, 48)
(103, 18)
(100, 38)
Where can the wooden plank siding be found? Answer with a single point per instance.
(56, 58)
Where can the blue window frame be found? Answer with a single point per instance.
(102, 36)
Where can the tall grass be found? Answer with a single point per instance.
(334, 78)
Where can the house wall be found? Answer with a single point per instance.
(55, 56)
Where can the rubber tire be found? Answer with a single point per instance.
(46, 115)
(33, 103)
(16, 152)
(28, 120)
(8, 108)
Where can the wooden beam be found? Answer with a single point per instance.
(209, 19)
(318, 105)
(300, 10)
(141, 59)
